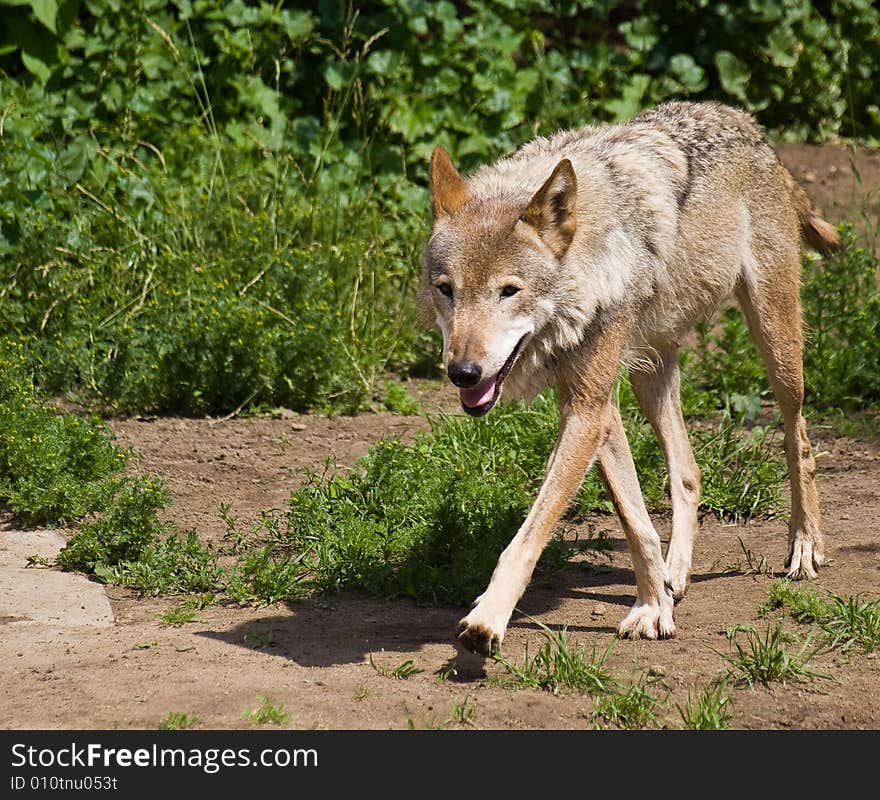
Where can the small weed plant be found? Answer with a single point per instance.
(402, 671)
(709, 709)
(268, 712)
(764, 659)
(848, 622)
(560, 664)
(177, 721)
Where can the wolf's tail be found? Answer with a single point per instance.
(817, 233)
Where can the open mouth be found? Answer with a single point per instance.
(479, 401)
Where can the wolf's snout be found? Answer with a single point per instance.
(464, 374)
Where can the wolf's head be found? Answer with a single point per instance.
(489, 274)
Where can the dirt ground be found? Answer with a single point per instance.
(314, 657)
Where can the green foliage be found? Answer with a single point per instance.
(402, 671)
(764, 659)
(175, 297)
(464, 712)
(847, 622)
(842, 315)
(128, 526)
(178, 616)
(428, 520)
(742, 470)
(841, 303)
(636, 706)
(54, 468)
(853, 622)
(803, 605)
(209, 206)
(62, 469)
(268, 713)
(708, 710)
(177, 721)
(560, 664)
(801, 65)
(171, 564)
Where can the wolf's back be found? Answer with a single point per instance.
(710, 134)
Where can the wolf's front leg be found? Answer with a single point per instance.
(580, 434)
(584, 388)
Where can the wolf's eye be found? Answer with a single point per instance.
(445, 289)
(510, 290)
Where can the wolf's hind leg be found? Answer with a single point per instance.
(771, 306)
(651, 616)
(658, 393)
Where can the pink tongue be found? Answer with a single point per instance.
(478, 397)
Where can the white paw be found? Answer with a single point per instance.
(651, 620)
(804, 559)
(478, 638)
(482, 631)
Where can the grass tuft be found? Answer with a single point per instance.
(402, 671)
(709, 709)
(635, 707)
(850, 622)
(177, 721)
(267, 713)
(560, 664)
(765, 659)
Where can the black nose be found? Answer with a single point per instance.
(464, 374)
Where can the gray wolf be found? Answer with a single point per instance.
(601, 247)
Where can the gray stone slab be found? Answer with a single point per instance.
(46, 596)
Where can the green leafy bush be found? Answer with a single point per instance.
(206, 206)
(53, 468)
(842, 316)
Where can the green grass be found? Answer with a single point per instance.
(765, 659)
(178, 616)
(187, 610)
(841, 308)
(177, 721)
(636, 706)
(560, 664)
(267, 713)
(402, 671)
(853, 623)
(444, 675)
(710, 709)
(804, 605)
(464, 712)
(847, 622)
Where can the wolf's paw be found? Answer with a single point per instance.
(649, 620)
(678, 568)
(678, 582)
(478, 638)
(804, 558)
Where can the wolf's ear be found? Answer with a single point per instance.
(449, 192)
(552, 211)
